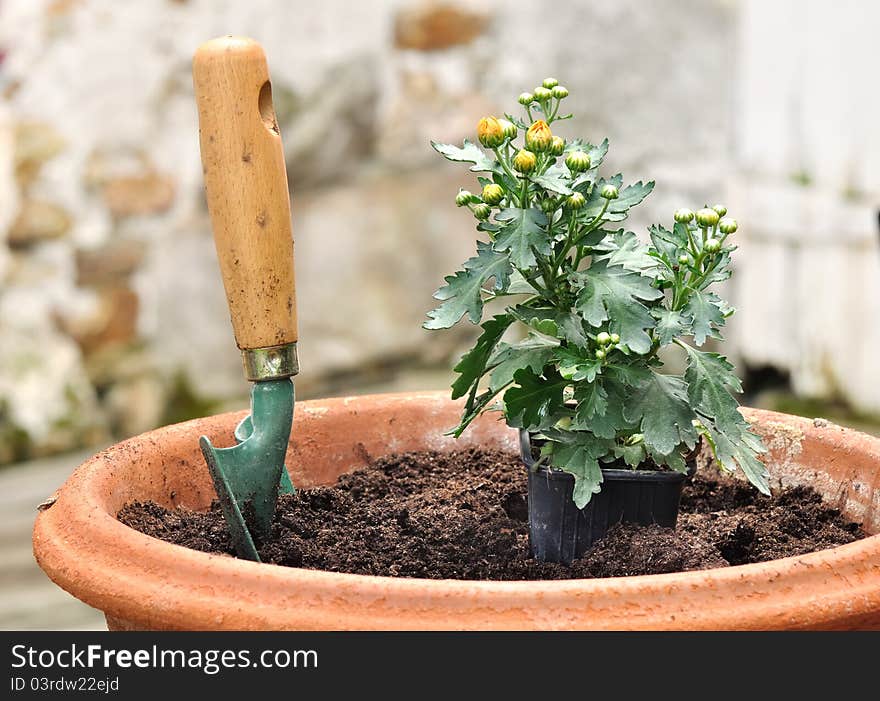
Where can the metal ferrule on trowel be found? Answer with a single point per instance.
(249, 204)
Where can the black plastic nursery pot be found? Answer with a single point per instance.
(560, 532)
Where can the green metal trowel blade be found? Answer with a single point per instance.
(242, 432)
(249, 476)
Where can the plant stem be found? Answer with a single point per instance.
(503, 163)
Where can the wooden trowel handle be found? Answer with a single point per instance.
(246, 185)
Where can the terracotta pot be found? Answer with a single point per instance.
(140, 582)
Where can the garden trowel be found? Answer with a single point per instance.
(249, 204)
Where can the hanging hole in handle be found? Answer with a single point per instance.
(267, 108)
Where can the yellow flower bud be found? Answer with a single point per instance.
(490, 132)
(539, 137)
(575, 201)
(493, 194)
(525, 161)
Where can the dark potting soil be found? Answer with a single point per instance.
(463, 515)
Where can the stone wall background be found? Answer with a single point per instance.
(112, 315)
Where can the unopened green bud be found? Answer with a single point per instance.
(550, 83)
(577, 161)
(684, 215)
(525, 161)
(727, 225)
(721, 209)
(609, 192)
(615, 338)
(493, 194)
(575, 201)
(707, 217)
(549, 205)
(482, 211)
(683, 259)
(542, 94)
(557, 146)
(509, 128)
(560, 92)
(526, 98)
(712, 245)
(635, 438)
(463, 198)
(600, 354)
(603, 338)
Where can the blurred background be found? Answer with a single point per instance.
(112, 314)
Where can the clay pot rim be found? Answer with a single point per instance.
(135, 551)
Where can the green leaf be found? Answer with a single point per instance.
(738, 448)
(475, 405)
(670, 325)
(569, 324)
(704, 309)
(469, 153)
(577, 364)
(632, 455)
(540, 320)
(533, 353)
(607, 424)
(595, 202)
(674, 461)
(553, 182)
(462, 292)
(661, 409)
(592, 400)
(629, 197)
(596, 153)
(580, 458)
(571, 327)
(472, 365)
(710, 381)
(624, 249)
(611, 293)
(519, 285)
(522, 231)
(533, 400)
(669, 244)
(632, 374)
(617, 209)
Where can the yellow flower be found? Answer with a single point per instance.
(539, 137)
(490, 132)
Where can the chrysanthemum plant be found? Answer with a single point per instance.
(596, 303)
